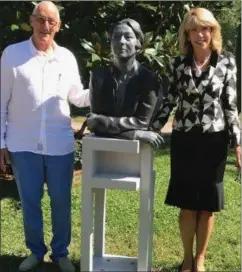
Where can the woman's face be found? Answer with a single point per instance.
(123, 42)
(200, 37)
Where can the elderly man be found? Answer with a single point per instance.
(38, 79)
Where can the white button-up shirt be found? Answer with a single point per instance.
(35, 93)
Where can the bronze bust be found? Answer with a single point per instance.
(126, 95)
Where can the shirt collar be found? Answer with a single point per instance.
(134, 71)
(35, 52)
(213, 60)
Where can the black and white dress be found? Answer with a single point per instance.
(205, 120)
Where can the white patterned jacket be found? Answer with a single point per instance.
(212, 103)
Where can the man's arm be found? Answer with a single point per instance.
(77, 95)
(7, 78)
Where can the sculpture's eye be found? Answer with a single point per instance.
(129, 37)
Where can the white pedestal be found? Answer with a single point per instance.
(115, 164)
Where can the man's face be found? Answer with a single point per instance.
(45, 24)
(123, 42)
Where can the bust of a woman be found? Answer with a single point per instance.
(126, 95)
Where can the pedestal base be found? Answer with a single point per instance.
(114, 263)
(115, 164)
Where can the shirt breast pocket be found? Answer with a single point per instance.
(60, 86)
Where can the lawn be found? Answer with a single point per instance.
(78, 119)
(122, 225)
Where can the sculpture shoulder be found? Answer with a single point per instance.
(100, 72)
(144, 71)
(149, 78)
(98, 77)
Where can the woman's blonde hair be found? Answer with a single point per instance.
(199, 17)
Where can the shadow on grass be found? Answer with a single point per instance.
(166, 268)
(230, 162)
(164, 149)
(8, 189)
(11, 264)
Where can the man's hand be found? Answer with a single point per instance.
(4, 157)
(150, 137)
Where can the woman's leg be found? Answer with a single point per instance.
(205, 223)
(187, 224)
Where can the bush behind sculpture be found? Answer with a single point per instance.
(85, 31)
(86, 23)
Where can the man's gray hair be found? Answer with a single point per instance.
(37, 7)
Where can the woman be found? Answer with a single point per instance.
(203, 87)
(125, 96)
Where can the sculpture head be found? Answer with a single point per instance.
(126, 38)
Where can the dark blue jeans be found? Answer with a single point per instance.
(31, 171)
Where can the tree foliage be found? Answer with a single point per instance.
(85, 26)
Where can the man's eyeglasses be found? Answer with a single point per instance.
(41, 20)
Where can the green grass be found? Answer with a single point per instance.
(78, 119)
(122, 225)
